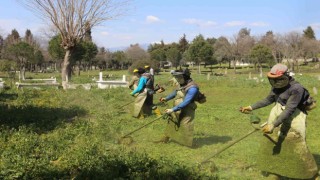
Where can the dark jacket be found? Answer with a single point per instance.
(291, 96)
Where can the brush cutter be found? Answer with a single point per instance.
(256, 128)
(127, 139)
(120, 107)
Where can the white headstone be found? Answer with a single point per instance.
(124, 78)
(100, 76)
(315, 91)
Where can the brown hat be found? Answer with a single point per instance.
(277, 71)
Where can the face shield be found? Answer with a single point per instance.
(279, 82)
(180, 79)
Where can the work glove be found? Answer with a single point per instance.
(132, 94)
(160, 90)
(246, 109)
(169, 111)
(162, 99)
(268, 129)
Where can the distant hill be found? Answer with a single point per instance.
(123, 48)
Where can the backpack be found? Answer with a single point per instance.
(309, 102)
(200, 98)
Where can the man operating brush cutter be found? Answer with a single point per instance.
(180, 126)
(287, 155)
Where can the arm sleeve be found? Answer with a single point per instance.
(271, 98)
(191, 93)
(172, 95)
(133, 80)
(290, 107)
(141, 85)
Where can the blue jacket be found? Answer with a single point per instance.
(189, 97)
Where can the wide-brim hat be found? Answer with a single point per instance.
(277, 70)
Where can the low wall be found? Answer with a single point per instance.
(111, 84)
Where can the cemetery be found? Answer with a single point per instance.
(213, 90)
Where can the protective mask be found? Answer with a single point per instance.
(180, 79)
(279, 82)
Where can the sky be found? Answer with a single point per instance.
(150, 21)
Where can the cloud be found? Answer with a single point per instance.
(104, 33)
(199, 22)
(152, 19)
(10, 24)
(315, 26)
(20, 25)
(259, 24)
(235, 23)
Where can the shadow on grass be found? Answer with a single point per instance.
(317, 158)
(7, 96)
(201, 141)
(39, 119)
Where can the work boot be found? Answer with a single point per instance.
(156, 110)
(164, 139)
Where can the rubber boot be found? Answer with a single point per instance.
(164, 139)
(156, 110)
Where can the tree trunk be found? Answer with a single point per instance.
(66, 69)
(234, 65)
(22, 72)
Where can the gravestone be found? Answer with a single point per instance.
(315, 91)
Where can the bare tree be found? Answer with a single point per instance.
(72, 18)
(273, 42)
(223, 50)
(135, 53)
(293, 48)
(241, 45)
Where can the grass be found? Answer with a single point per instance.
(73, 134)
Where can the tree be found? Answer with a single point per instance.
(157, 52)
(292, 48)
(12, 38)
(90, 50)
(223, 50)
(135, 53)
(173, 55)
(242, 45)
(274, 43)
(200, 51)
(309, 33)
(21, 52)
(119, 59)
(38, 58)
(55, 50)
(261, 54)
(73, 19)
(183, 44)
(1, 46)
